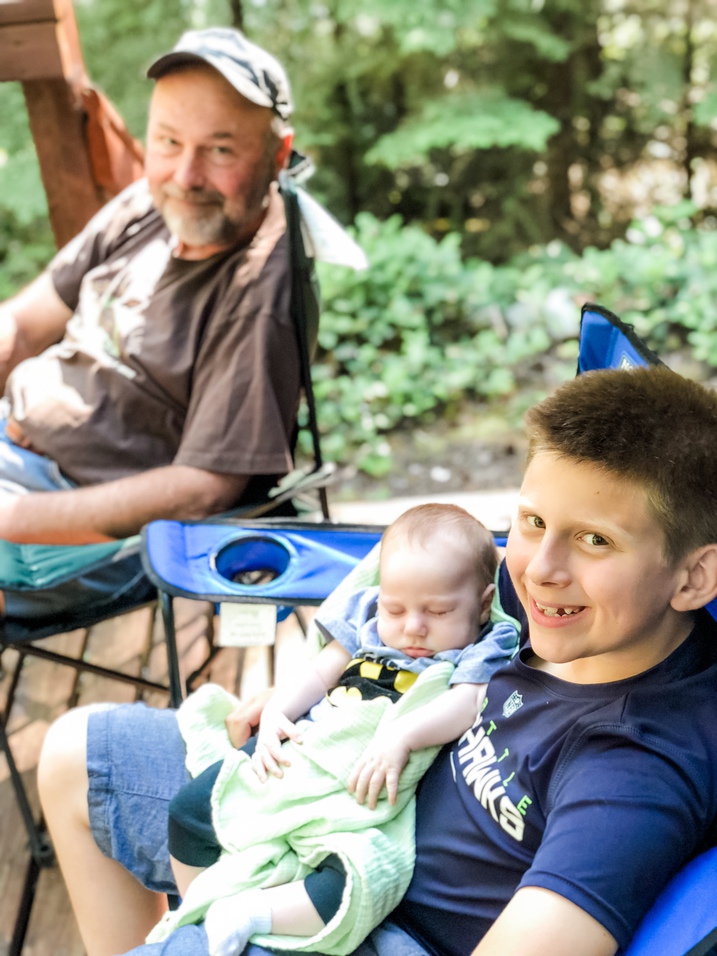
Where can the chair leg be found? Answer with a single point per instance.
(77, 682)
(170, 636)
(147, 652)
(41, 852)
(29, 889)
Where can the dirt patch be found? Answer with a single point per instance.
(440, 460)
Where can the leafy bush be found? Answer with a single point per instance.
(415, 335)
(422, 331)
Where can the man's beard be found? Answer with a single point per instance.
(214, 220)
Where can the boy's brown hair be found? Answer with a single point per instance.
(423, 523)
(648, 426)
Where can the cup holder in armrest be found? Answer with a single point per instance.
(252, 561)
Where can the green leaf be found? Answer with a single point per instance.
(468, 121)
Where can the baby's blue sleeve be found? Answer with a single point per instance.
(478, 662)
(342, 620)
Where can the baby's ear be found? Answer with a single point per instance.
(485, 603)
(699, 585)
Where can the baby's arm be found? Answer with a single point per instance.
(436, 723)
(289, 702)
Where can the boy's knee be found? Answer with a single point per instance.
(62, 768)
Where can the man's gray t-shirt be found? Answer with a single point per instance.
(165, 360)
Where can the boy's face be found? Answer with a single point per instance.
(586, 556)
(429, 598)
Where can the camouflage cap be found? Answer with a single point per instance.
(252, 71)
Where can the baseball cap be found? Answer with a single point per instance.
(252, 71)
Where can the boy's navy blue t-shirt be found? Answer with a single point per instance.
(598, 792)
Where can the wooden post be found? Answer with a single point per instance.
(40, 47)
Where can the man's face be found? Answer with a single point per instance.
(587, 558)
(211, 157)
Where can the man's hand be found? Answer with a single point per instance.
(245, 718)
(380, 764)
(269, 756)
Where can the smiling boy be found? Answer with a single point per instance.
(590, 776)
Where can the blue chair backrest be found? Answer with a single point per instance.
(683, 921)
(608, 342)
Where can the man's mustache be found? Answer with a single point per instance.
(199, 196)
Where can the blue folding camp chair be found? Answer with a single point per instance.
(293, 564)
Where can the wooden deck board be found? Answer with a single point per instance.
(42, 695)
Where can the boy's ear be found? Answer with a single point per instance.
(699, 585)
(485, 603)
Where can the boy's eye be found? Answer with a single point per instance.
(535, 521)
(438, 612)
(596, 540)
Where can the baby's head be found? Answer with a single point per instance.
(436, 576)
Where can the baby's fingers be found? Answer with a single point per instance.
(289, 729)
(258, 767)
(367, 782)
(272, 757)
(375, 786)
(392, 785)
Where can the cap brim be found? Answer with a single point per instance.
(179, 58)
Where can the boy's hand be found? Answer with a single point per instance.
(243, 719)
(269, 756)
(381, 763)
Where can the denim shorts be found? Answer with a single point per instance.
(135, 765)
(23, 472)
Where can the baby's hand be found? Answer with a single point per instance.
(269, 755)
(380, 764)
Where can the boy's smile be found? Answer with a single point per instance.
(587, 557)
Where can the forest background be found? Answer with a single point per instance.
(500, 161)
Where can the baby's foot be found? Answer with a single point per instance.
(230, 922)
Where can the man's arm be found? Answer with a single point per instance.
(30, 322)
(537, 922)
(118, 508)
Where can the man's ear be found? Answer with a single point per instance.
(485, 603)
(699, 583)
(284, 150)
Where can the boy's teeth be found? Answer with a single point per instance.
(557, 611)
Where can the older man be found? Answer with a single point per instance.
(151, 371)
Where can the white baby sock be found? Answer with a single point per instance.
(231, 921)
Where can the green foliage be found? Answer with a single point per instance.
(415, 335)
(470, 121)
(422, 331)
(21, 190)
(120, 40)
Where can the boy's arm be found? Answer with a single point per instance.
(436, 723)
(537, 921)
(291, 701)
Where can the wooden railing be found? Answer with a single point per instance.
(86, 154)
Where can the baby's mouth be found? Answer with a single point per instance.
(558, 611)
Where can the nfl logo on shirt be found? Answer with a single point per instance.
(513, 703)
